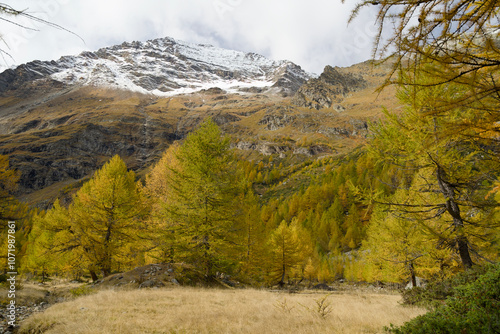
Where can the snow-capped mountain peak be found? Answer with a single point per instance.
(166, 67)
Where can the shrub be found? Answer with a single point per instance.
(473, 308)
(81, 291)
(435, 293)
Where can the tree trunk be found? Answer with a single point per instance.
(93, 275)
(206, 255)
(412, 274)
(453, 209)
(282, 281)
(283, 262)
(463, 250)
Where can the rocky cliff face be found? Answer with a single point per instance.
(328, 90)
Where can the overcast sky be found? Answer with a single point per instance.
(311, 33)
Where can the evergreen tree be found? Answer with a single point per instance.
(106, 217)
(460, 168)
(289, 247)
(203, 206)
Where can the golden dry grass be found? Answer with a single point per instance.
(190, 310)
(33, 293)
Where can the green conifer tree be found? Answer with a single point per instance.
(459, 167)
(290, 247)
(203, 207)
(106, 217)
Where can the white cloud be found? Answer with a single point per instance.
(311, 33)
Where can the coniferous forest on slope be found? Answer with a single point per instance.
(373, 215)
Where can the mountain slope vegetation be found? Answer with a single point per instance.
(270, 186)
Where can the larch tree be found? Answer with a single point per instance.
(252, 237)
(352, 227)
(455, 167)
(289, 246)
(203, 206)
(461, 36)
(157, 190)
(329, 234)
(10, 210)
(401, 248)
(109, 216)
(105, 224)
(41, 258)
(454, 42)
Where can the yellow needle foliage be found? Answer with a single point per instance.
(102, 229)
(202, 206)
(290, 249)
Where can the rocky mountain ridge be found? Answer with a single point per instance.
(60, 121)
(163, 67)
(330, 88)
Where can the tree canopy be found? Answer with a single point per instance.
(445, 57)
(202, 204)
(461, 37)
(102, 229)
(452, 173)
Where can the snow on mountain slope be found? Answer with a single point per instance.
(164, 67)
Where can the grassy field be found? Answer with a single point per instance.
(192, 310)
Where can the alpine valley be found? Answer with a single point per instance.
(157, 164)
(62, 120)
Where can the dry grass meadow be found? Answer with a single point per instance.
(196, 310)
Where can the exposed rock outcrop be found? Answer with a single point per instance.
(161, 275)
(265, 148)
(330, 88)
(276, 118)
(353, 128)
(51, 156)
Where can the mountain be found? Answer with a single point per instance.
(331, 87)
(61, 120)
(163, 67)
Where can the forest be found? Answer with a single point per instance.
(419, 200)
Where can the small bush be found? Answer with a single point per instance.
(472, 308)
(81, 291)
(435, 293)
(323, 307)
(283, 306)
